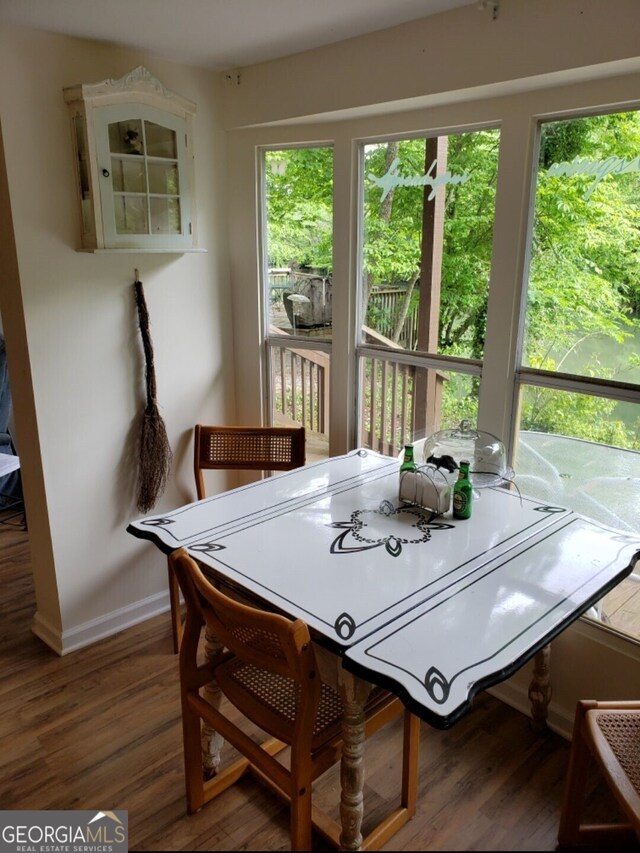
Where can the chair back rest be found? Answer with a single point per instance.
(266, 640)
(247, 448)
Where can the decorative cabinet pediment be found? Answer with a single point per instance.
(134, 163)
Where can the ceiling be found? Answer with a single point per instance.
(219, 34)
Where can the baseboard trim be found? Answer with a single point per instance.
(90, 632)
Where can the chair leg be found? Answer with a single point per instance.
(388, 827)
(301, 822)
(177, 626)
(410, 762)
(301, 804)
(193, 775)
(576, 782)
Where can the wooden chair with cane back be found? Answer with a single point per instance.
(268, 671)
(607, 733)
(237, 448)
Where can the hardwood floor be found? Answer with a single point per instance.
(100, 729)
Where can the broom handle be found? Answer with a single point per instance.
(143, 320)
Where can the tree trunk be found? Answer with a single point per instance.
(404, 309)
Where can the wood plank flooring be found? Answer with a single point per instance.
(100, 729)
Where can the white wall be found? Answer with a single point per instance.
(74, 346)
(444, 58)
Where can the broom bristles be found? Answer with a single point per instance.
(154, 459)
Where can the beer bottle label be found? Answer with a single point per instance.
(459, 501)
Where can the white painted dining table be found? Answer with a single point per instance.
(431, 607)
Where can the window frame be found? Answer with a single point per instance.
(416, 358)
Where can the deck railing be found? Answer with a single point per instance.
(382, 310)
(390, 418)
(300, 384)
(387, 402)
(300, 378)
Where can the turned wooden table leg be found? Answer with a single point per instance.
(211, 741)
(540, 689)
(354, 694)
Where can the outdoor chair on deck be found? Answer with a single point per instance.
(239, 448)
(269, 672)
(608, 732)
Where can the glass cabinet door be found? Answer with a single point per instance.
(143, 151)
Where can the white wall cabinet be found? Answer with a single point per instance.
(134, 163)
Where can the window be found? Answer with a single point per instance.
(579, 427)
(428, 217)
(298, 288)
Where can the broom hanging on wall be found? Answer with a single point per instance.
(154, 459)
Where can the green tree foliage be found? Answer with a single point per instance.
(466, 262)
(585, 269)
(392, 249)
(584, 278)
(576, 415)
(299, 193)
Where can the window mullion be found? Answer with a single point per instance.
(623, 391)
(509, 261)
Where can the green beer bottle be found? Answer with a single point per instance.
(462, 492)
(408, 463)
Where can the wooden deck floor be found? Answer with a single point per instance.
(621, 608)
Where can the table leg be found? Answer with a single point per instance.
(354, 695)
(211, 741)
(540, 689)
